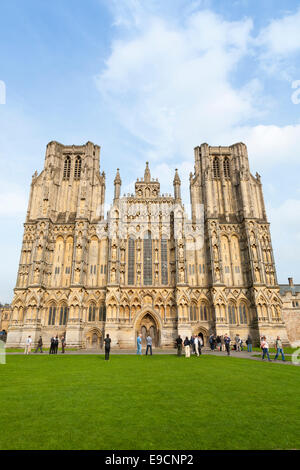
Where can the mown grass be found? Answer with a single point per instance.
(158, 402)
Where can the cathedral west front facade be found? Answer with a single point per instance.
(146, 266)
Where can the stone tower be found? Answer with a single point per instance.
(66, 201)
(242, 274)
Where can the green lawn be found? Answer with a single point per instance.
(159, 402)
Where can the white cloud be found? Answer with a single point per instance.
(281, 36)
(269, 145)
(278, 42)
(171, 86)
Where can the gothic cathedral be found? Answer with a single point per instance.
(145, 266)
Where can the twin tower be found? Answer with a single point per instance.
(145, 266)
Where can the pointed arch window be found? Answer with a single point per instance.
(102, 312)
(63, 317)
(131, 261)
(243, 314)
(52, 314)
(216, 168)
(231, 315)
(148, 259)
(92, 312)
(226, 167)
(204, 312)
(67, 168)
(77, 170)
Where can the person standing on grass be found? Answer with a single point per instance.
(265, 348)
(187, 347)
(107, 342)
(249, 343)
(56, 344)
(192, 343)
(222, 343)
(179, 345)
(39, 345)
(28, 345)
(139, 344)
(279, 349)
(211, 342)
(149, 345)
(200, 344)
(52, 345)
(63, 344)
(237, 342)
(227, 343)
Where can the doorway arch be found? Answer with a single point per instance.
(148, 325)
(203, 332)
(94, 339)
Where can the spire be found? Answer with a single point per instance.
(117, 184)
(177, 184)
(147, 175)
(177, 180)
(118, 178)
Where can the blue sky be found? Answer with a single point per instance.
(150, 80)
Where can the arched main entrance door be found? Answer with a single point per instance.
(198, 330)
(94, 339)
(147, 326)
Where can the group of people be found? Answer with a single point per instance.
(219, 343)
(195, 344)
(53, 345)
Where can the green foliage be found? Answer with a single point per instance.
(144, 402)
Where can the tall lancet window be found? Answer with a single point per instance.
(164, 261)
(131, 260)
(148, 259)
(67, 168)
(216, 168)
(77, 170)
(226, 166)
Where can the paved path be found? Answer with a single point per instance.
(156, 351)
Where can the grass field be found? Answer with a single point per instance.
(158, 402)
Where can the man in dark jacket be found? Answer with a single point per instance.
(249, 343)
(227, 343)
(179, 345)
(39, 345)
(52, 345)
(107, 342)
(55, 344)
